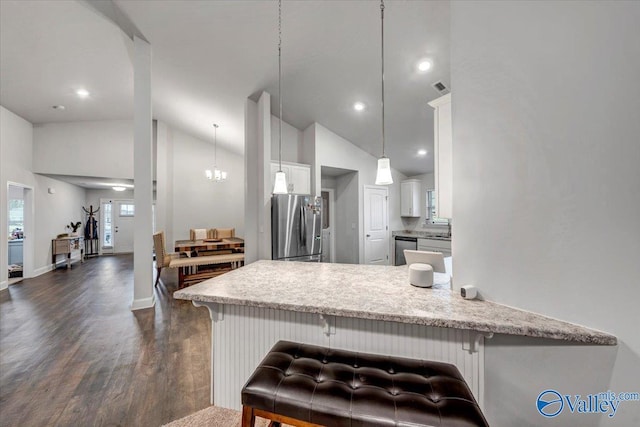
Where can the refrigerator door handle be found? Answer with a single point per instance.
(303, 227)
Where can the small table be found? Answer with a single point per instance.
(189, 246)
(70, 246)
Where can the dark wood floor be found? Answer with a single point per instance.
(73, 354)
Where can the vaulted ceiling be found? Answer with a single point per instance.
(209, 56)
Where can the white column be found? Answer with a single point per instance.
(164, 184)
(264, 176)
(258, 179)
(143, 170)
(251, 200)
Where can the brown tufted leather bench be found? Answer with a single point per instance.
(307, 385)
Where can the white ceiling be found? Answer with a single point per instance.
(209, 56)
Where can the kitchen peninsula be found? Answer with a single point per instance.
(356, 307)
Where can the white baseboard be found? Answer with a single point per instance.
(40, 271)
(142, 303)
(4, 285)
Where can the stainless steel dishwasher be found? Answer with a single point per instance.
(403, 243)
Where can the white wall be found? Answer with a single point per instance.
(92, 148)
(291, 141)
(52, 211)
(199, 202)
(16, 136)
(93, 196)
(328, 182)
(335, 151)
(547, 195)
(347, 220)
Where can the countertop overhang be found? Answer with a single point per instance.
(376, 293)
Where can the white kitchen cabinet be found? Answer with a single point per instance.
(443, 155)
(298, 176)
(15, 251)
(435, 245)
(410, 198)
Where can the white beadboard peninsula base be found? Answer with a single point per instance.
(242, 336)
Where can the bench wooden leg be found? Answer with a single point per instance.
(248, 417)
(276, 420)
(181, 277)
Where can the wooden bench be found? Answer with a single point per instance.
(310, 386)
(189, 267)
(188, 275)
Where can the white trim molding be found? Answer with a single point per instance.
(143, 303)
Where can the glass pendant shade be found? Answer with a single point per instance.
(208, 174)
(383, 177)
(280, 186)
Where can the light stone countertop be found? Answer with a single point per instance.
(377, 293)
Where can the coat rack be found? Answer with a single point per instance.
(91, 234)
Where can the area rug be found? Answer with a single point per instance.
(214, 417)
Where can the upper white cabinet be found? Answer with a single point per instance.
(410, 198)
(298, 176)
(443, 155)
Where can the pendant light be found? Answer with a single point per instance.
(383, 176)
(217, 174)
(280, 186)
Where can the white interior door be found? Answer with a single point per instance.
(123, 213)
(376, 225)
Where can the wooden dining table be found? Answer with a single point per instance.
(194, 246)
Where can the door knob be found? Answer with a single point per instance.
(368, 235)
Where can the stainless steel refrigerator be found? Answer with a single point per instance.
(296, 227)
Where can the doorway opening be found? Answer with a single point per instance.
(19, 227)
(116, 226)
(344, 237)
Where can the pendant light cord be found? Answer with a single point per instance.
(280, 83)
(215, 145)
(382, 39)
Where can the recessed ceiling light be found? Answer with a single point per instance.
(58, 107)
(119, 188)
(424, 65)
(82, 93)
(359, 106)
(422, 152)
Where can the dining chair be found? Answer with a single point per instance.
(224, 233)
(198, 234)
(163, 259)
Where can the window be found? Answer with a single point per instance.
(16, 218)
(106, 215)
(431, 217)
(127, 210)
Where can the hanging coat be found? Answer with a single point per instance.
(91, 228)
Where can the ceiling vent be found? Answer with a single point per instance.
(441, 88)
